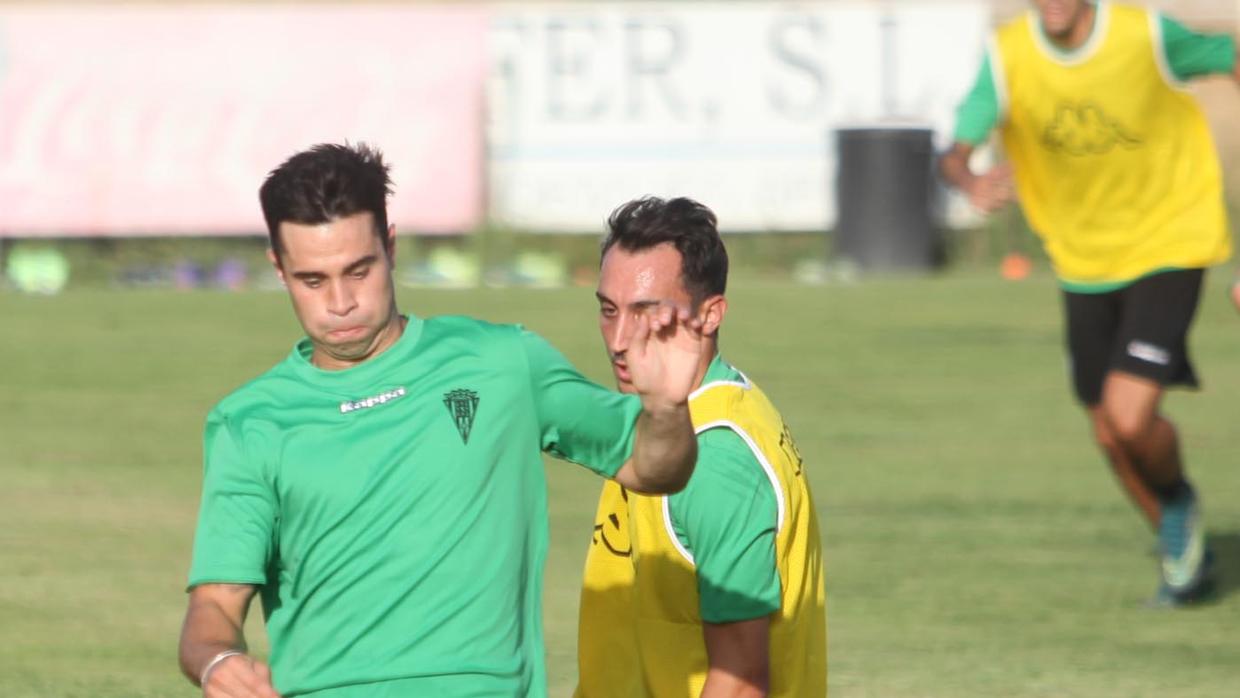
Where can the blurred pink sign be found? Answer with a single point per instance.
(150, 120)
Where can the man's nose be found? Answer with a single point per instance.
(340, 300)
(618, 336)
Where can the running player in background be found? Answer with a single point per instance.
(716, 590)
(1116, 171)
(383, 486)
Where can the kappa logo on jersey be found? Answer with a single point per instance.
(462, 404)
(1085, 129)
(373, 401)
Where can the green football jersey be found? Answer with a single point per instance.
(394, 513)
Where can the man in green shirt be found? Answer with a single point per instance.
(382, 488)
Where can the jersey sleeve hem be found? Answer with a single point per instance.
(225, 577)
(756, 609)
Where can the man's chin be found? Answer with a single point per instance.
(1059, 34)
(352, 350)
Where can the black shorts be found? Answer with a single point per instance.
(1140, 329)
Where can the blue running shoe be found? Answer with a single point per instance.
(1182, 540)
(1164, 598)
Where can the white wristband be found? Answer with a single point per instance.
(206, 670)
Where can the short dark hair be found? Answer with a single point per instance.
(326, 182)
(688, 225)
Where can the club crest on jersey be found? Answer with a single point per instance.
(462, 404)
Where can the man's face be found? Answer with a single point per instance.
(1060, 16)
(630, 284)
(339, 277)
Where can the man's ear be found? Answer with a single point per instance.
(275, 262)
(389, 243)
(712, 311)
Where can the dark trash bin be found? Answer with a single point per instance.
(883, 190)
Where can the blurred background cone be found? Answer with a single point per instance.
(1015, 266)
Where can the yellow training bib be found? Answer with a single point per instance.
(1114, 163)
(641, 630)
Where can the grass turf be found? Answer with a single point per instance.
(975, 543)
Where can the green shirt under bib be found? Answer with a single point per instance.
(394, 513)
(725, 517)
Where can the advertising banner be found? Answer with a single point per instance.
(735, 104)
(156, 120)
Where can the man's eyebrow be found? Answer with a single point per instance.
(363, 262)
(645, 304)
(635, 305)
(353, 266)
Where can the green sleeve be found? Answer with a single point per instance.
(236, 519)
(726, 517)
(579, 420)
(979, 112)
(1190, 54)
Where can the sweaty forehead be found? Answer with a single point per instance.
(646, 275)
(645, 279)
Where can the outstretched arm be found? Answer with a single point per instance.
(664, 358)
(212, 650)
(664, 451)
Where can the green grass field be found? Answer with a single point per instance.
(975, 543)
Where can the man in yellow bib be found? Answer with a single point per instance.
(717, 590)
(1116, 171)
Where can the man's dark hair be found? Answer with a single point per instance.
(326, 182)
(688, 225)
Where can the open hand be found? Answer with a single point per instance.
(664, 355)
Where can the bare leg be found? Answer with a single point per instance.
(1125, 471)
(1130, 409)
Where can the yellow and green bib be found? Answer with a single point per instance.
(641, 625)
(1114, 163)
